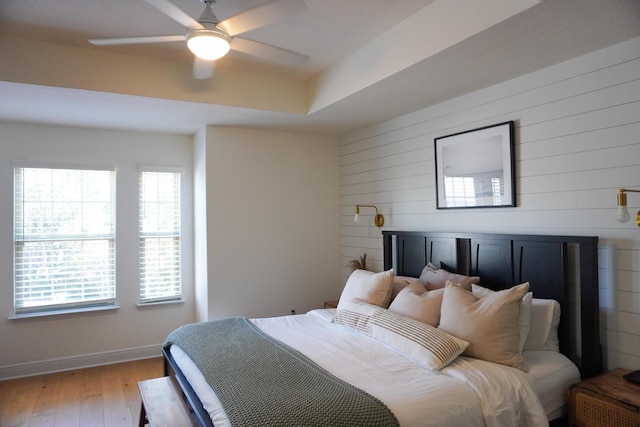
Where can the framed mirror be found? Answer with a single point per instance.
(476, 168)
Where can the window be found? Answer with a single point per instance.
(64, 238)
(468, 190)
(460, 190)
(159, 236)
(497, 190)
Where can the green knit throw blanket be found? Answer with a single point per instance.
(263, 382)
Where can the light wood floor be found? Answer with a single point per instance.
(101, 396)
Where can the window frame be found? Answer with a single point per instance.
(176, 235)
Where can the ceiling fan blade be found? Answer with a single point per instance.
(267, 51)
(261, 15)
(175, 13)
(136, 40)
(203, 69)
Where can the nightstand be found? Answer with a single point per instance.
(605, 400)
(331, 304)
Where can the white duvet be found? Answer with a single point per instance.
(468, 392)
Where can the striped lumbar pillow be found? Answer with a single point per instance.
(425, 345)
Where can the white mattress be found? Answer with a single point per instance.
(457, 395)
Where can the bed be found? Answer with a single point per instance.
(361, 353)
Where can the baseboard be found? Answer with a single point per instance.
(76, 362)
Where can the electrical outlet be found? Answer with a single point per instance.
(292, 310)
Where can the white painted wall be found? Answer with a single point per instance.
(266, 236)
(272, 222)
(34, 345)
(200, 224)
(577, 141)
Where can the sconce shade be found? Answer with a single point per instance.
(622, 214)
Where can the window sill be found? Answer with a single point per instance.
(64, 311)
(158, 304)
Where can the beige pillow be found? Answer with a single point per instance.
(416, 302)
(489, 324)
(372, 288)
(524, 321)
(436, 278)
(399, 283)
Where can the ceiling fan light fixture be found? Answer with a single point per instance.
(209, 44)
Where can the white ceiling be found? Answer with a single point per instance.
(330, 32)
(325, 31)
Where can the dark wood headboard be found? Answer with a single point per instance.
(505, 260)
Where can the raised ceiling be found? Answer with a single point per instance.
(370, 60)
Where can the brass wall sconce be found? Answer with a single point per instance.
(378, 220)
(623, 213)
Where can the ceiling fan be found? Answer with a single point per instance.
(210, 39)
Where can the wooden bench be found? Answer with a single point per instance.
(162, 404)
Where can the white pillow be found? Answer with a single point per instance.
(524, 321)
(425, 345)
(543, 331)
(373, 288)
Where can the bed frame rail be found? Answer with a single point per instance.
(198, 413)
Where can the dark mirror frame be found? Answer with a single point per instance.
(476, 168)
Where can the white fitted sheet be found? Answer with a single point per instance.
(468, 392)
(551, 373)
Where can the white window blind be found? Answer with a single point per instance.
(159, 236)
(64, 238)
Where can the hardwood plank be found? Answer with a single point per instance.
(91, 402)
(47, 400)
(68, 411)
(115, 409)
(130, 374)
(91, 381)
(91, 411)
(103, 396)
(18, 400)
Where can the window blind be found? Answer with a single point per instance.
(159, 236)
(64, 238)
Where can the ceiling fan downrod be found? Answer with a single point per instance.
(207, 15)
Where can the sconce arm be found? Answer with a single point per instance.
(378, 219)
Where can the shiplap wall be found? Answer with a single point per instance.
(577, 141)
